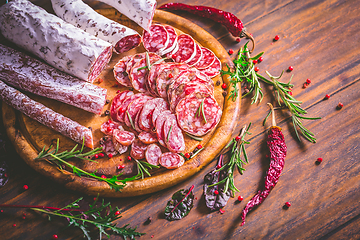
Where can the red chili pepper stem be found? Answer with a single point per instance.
(247, 35)
(273, 122)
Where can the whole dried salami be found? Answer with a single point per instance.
(57, 42)
(29, 74)
(171, 160)
(174, 138)
(152, 154)
(159, 126)
(125, 138)
(208, 57)
(117, 101)
(133, 108)
(138, 149)
(186, 50)
(148, 137)
(157, 39)
(45, 115)
(198, 113)
(214, 69)
(120, 73)
(145, 120)
(172, 40)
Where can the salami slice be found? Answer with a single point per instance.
(108, 146)
(138, 149)
(109, 126)
(81, 15)
(120, 73)
(121, 111)
(125, 138)
(148, 137)
(57, 42)
(152, 154)
(45, 115)
(119, 147)
(133, 108)
(171, 160)
(174, 138)
(117, 102)
(208, 57)
(186, 50)
(193, 123)
(159, 126)
(197, 56)
(29, 74)
(156, 40)
(157, 111)
(214, 69)
(136, 122)
(134, 59)
(145, 119)
(172, 40)
(138, 74)
(153, 74)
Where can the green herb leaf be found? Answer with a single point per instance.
(180, 204)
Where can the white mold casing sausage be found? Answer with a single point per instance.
(60, 44)
(83, 16)
(29, 74)
(140, 11)
(45, 115)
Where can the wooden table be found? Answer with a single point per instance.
(321, 40)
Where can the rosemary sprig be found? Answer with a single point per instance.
(238, 149)
(148, 63)
(130, 119)
(169, 133)
(282, 96)
(200, 111)
(194, 137)
(101, 217)
(142, 168)
(244, 70)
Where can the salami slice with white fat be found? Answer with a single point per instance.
(157, 111)
(138, 149)
(45, 115)
(81, 15)
(145, 118)
(140, 11)
(159, 126)
(208, 57)
(57, 42)
(172, 40)
(109, 126)
(136, 122)
(125, 138)
(119, 147)
(171, 160)
(186, 50)
(206, 119)
(197, 56)
(121, 111)
(174, 138)
(133, 108)
(156, 40)
(134, 59)
(152, 154)
(214, 69)
(117, 101)
(120, 73)
(29, 74)
(153, 74)
(148, 137)
(108, 146)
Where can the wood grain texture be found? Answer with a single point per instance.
(320, 39)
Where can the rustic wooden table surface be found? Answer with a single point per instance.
(321, 40)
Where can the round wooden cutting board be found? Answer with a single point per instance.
(29, 136)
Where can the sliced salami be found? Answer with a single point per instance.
(125, 138)
(109, 126)
(136, 122)
(171, 160)
(153, 74)
(148, 137)
(117, 101)
(57, 42)
(133, 108)
(208, 57)
(174, 138)
(172, 40)
(138, 74)
(108, 146)
(120, 73)
(193, 123)
(159, 126)
(214, 69)
(157, 39)
(29, 74)
(119, 147)
(197, 56)
(45, 115)
(121, 111)
(138, 149)
(157, 111)
(186, 51)
(134, 59)
(152, 154)
(145, 120)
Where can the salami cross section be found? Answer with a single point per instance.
(45, 115)
(60, 44)
(29, 74)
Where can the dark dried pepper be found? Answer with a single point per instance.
(215, 196)
(180, 204)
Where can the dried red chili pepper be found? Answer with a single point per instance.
(277, 148)
(229, 20)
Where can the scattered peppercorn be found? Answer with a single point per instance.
(240, 198)
(255, 61)
(237, 138)
(287, 204)
(327, 96)
(23, 217)
(319, 160)
(96, 155)
(118, 91)
(231, 51)
(276, 37)
(100, 80)
(221, 211)
(25, 187)
(187, 155)
(1, 210)
(260, 59)
(224, 86)
(152, 236)
(170, 75)
(291, 68)
(107, 101)
(120, 166)
(224, 93)
(14, 225)
(129, 158)
(305, 85)
(246, 90)
(290, 93)
(216, 192)
(131, 89)
(238, 40)
(107, 113)
(218, 166)
(173, 56)
(199, 146)
(148, 221)
(256, 69)
(55, 236)
(117, 212)
(308, 81)
(101, 155)
(110, 155)
(103, 176)
(340, 105)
